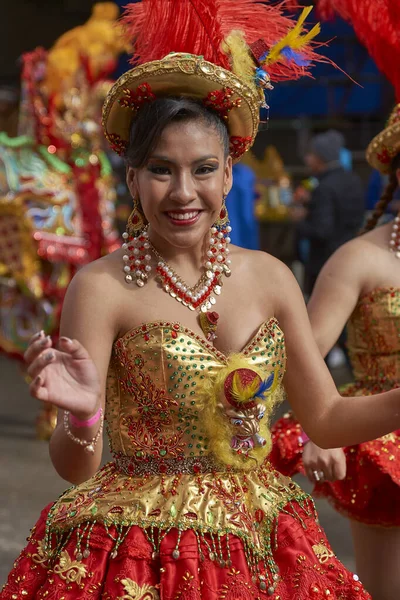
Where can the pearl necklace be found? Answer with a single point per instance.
(394, 244)
(137, 259)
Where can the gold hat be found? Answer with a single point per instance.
(222, 53)
(386, 145)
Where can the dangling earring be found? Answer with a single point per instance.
(223, 219)
(136, 247)
(219, 241)
(136, 221)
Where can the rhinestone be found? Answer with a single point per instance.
(114, 554)
(210, 274)
(175, 554)
(208, 305)
(154, 555)
(125, 258)
(79, 556)
(127, 269)
(212, 300)
(212, 556)
(172, 294)
(86, 553)
(271, 590)
(217, 290)
(125, 235)
(90, 449)
(140, 282)
(128, 278)
(191, 307)
(204, 308)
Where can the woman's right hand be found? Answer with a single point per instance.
(65, 377)
(323, 465)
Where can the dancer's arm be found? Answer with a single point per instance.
(330, 420)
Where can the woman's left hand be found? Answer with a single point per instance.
(323, 465)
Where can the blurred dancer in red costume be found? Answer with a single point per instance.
(189, 508)
(56, 186)
(360, 285)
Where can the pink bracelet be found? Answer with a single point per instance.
(78, 423)
(303, 438)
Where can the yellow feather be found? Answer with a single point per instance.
(303, 40)
(294, 39)
(243, 393)
(217, 425)
(234, 45)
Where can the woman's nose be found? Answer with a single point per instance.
(183, 190)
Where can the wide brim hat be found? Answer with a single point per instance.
(219, 52)
(386, 145)
(183, 75)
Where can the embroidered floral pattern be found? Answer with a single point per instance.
(135, 591)
(73, 571)
(189, 589)
(238, 587)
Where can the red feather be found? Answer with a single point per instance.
(377, 25)
(158, 27)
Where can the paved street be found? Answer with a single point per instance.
(28, 481)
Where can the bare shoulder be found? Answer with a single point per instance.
(99, 284)
(360, 259)
(272, 276)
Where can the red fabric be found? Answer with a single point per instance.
(287, 448)
(376, 23)
(304, 576)
(370, 493)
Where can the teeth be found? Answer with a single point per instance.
(183, 216)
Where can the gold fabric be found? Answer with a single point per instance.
(374, 340)
(154, 422)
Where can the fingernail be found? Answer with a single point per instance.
(49, 356)
(65, 340)
(38, 380)
(44, 342)
(39, 334)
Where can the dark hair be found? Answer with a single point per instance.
(153, 118)
(386, 198)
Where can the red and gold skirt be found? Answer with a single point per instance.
(308, 568)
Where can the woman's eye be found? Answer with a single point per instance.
(206, 169)
(159, 170)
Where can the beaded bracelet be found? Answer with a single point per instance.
(88, 445)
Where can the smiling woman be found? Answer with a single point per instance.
(189, 507)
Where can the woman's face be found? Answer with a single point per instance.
(183, 183)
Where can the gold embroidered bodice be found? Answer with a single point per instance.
(153, 409)
(164, 473)
(374, 339)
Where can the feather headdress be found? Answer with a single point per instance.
(204, 49)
